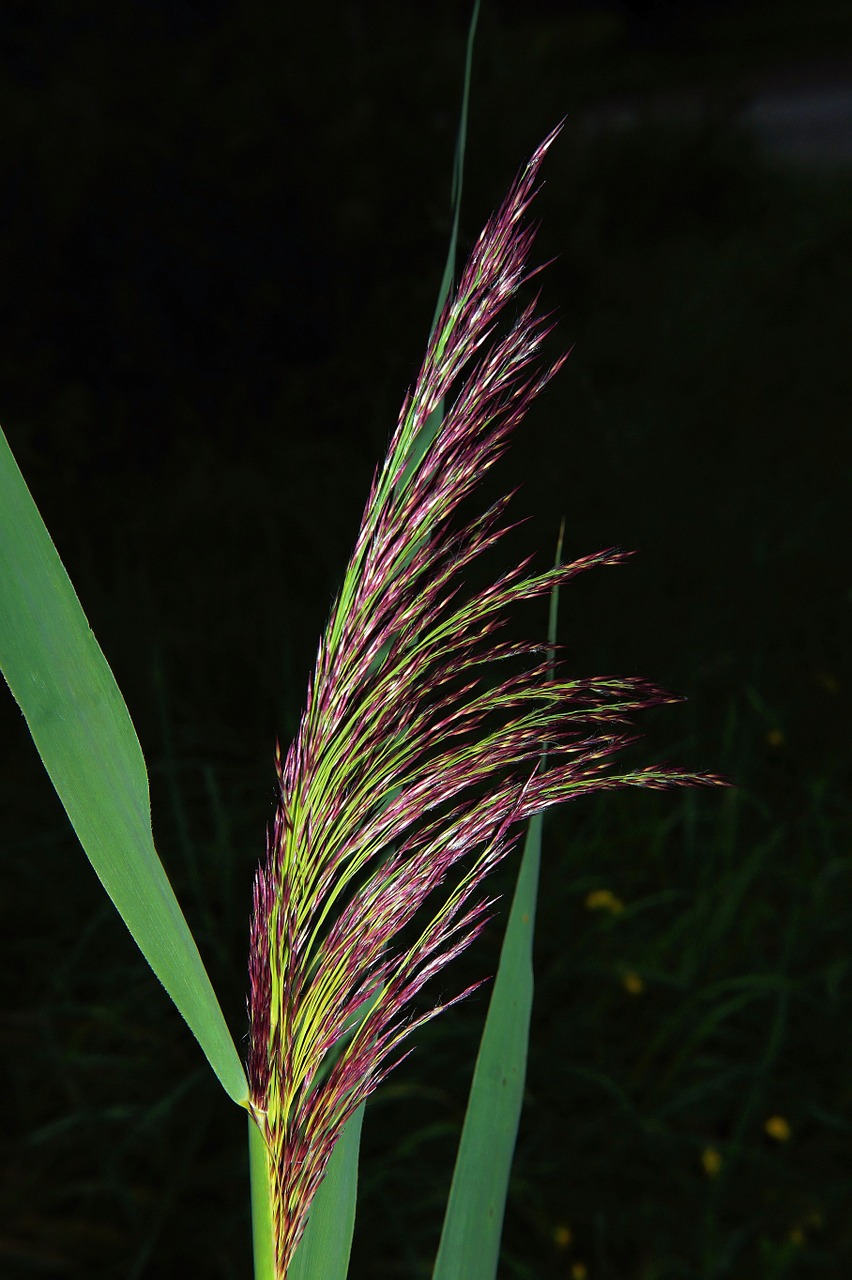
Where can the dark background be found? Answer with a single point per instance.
(223, 230)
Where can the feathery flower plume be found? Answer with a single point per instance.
(410, 757)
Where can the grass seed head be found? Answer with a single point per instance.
(414, 761)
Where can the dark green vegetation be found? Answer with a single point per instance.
(220, 261)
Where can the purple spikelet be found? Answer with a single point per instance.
(380, 793)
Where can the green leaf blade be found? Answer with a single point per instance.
(473, 1223)
(82, 730)
(323, 1252)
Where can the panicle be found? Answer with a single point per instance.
(414, 763)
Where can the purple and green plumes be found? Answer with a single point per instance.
(413, 758)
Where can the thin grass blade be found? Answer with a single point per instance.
(473, 1222)
(83, 732)
(327, 1242)
(436, 417)
(458, 171)
(320, 1255)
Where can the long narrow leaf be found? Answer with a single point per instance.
(317, 1256)
(473, 1222)
(458, 171)
(85, 737)
(324, 1250)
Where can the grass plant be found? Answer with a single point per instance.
(609, 1172)
(411, 769)
(638, 1159)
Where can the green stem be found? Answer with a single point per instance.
(261, 1206)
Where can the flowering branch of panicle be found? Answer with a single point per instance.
(412, 760)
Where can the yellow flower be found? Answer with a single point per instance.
(562, 1236)
(775, 738)
(711, 1158)
(798, 1233)
(778, 1128)
(633, 984)
(603, 900)
(579, 1271)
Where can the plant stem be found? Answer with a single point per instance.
(261, 1202)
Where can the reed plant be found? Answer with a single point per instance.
(426, 742)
